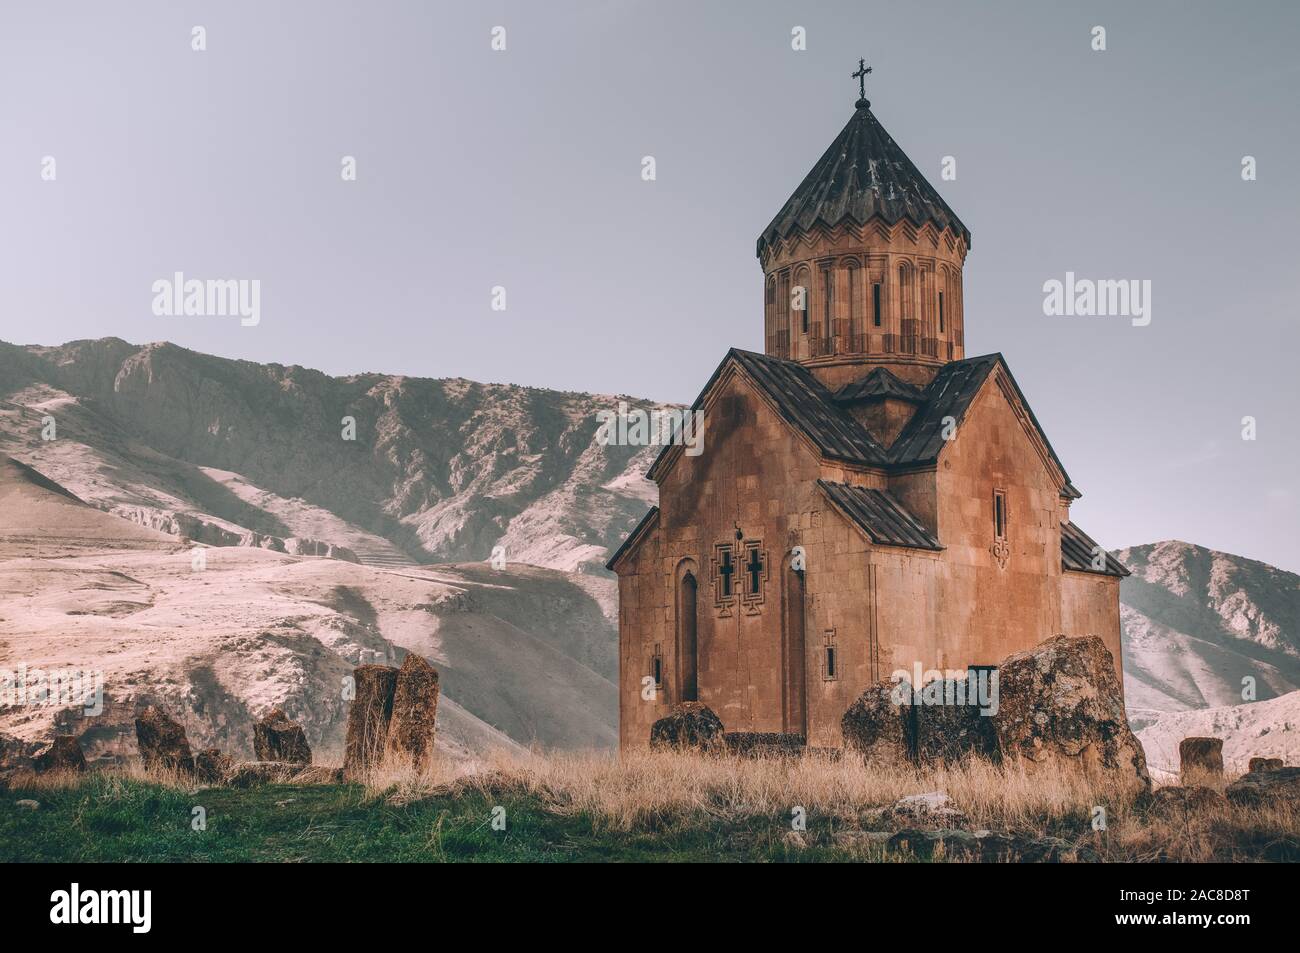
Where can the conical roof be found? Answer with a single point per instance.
(862, 175)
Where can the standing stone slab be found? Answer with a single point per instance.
(276, 738)
(877, 724)
(162, 740)
(415, 709)
(1200, 759)
(369, 717)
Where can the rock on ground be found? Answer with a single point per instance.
(62, 754)
(211, 766)
(688, 725)
(1264, 787)
(1176, 800)
(369, 717)
(1265, 764)
(415, 711)
(276, 738)
(1062, 702)
(162, 740)
(876, 725)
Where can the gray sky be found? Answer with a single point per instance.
(522, 169)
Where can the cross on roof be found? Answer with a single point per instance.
(861, 76)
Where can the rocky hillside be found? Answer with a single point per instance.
(1198, 622)
(233, 452)
(526, 654)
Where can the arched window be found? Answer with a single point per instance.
(688, 653)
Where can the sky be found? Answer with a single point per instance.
(522, 169)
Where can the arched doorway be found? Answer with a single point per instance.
(794, 704)
(688, 652)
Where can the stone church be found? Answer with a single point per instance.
(868, 499)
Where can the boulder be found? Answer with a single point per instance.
(931, 808)
(415, 710)
(27, 804)
(688, 725)
(1200, 759)
(1265, 764)
(1259, 788)
(368, 717)
(941, 723)
(15, 757)
(1174, 800)
(877, 725)
(211, 766)
(1062, 702)
(162, 740)
(276, 738)
(62, 754)
(948, 726)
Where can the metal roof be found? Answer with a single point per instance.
(863, 175)
(1077, 553)
(885, 520)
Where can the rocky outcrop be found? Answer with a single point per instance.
(62, 754)
(1265, 764)
(15, 757)
(415, 710)
(162, 741)
(374, 687)
(1200, 759)
(1061, 702)
(689, 725)
(1260, 788)
(276, 738)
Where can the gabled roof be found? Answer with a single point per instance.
(878, 514)
(1077, 549)
(863, 175)
(803, 402)
(634, 537)
(950, 395)
(881, 382)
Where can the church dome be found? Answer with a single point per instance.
(863, 175)
(863, 264)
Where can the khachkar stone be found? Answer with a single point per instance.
(1200, 759)
(368, 718)
(276, 738)
(415, 708)
(162, 740)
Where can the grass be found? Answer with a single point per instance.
(596, 807)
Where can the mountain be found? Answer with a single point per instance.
(233, 452)
(157, 447)
(525, 654)
(1199, 626)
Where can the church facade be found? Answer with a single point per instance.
(868, 499)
